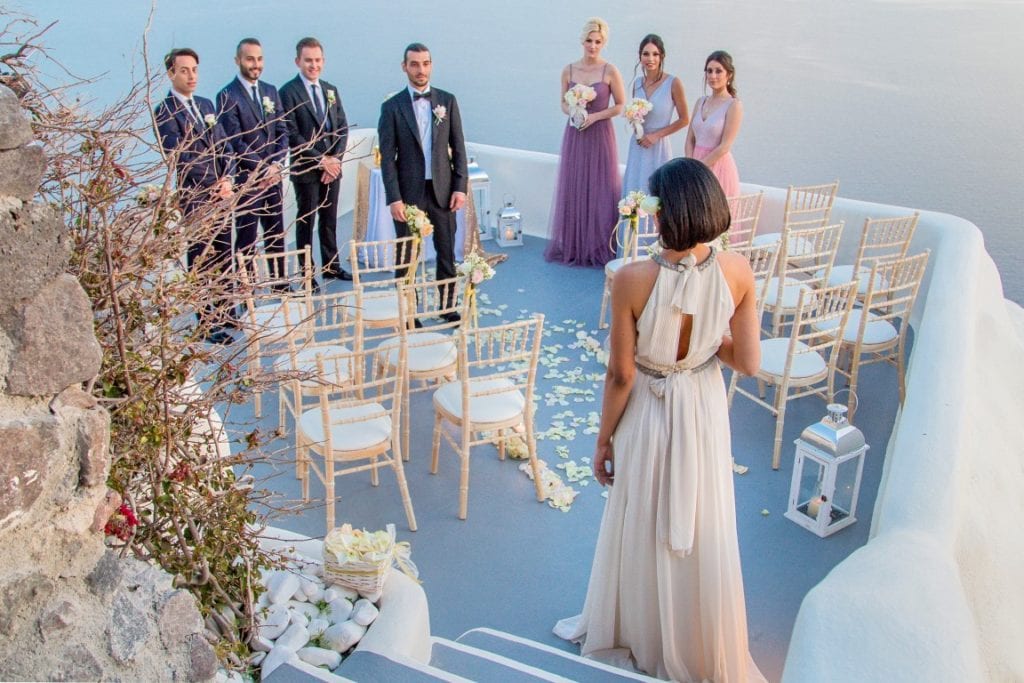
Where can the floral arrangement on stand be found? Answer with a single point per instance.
(632, 207)
(420, 227)
(635, 113)
(578, 97)
(476, 270)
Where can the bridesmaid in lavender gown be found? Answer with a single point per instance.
(716, 122)
(588, 188)
(665, 92)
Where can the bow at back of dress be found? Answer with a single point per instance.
(686, 288)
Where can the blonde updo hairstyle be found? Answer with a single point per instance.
(595, 25)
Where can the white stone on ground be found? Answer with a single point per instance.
(308, 609)
(318, 656)
(274, 621)
(317, 627)
(295, 637)
(364, 612)
(341, 637)
(339, 610)
(261, 644)
(281, 586)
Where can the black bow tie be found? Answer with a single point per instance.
(420, 95)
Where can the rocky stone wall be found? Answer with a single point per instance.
(70, 609)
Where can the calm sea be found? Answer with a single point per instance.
(909, 102)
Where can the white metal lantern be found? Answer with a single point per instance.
(481, 184)
(509, 231)
(826, 474)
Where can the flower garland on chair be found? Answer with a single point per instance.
(475, 269)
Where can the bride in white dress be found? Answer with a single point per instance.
(666, 586)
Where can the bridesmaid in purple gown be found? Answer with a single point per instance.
(588, 188)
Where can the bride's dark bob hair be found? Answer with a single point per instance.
(693, 206)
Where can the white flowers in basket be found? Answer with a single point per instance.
(635, 113)
(578, 97)
(361, 559)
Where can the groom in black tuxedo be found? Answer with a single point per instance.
(423, 157)
(317, 134)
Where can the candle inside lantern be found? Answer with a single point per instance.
(814, 504)
(510, 234)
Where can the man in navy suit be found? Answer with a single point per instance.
(423, 157)
(253, 118)
(194, 140)
(317, 134)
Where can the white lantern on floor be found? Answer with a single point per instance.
(826, 474)
(480, 183)
(509, 232)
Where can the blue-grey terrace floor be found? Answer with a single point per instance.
(518, 565)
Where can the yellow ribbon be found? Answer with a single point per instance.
(471, 299)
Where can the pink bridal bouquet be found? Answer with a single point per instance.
(578, 97)
(635, 113)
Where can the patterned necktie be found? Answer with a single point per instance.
(256, 101)
(194, 111)
(317, 107)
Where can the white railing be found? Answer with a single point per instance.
(936, 594)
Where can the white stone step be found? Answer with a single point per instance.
(480, 665)
(544, 657)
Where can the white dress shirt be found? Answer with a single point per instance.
(320, 95)
(421, 107)
(185, 104)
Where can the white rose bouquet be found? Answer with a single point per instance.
(636, 111)
(578, 97)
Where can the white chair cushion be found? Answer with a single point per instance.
(613, 266)
(305, 362)
(352, 436)
(378, 307)
(497, 407)
(427, 351)
(843, 274)
(805, 363)
(766, 238)
(876, 331)
(790, 294)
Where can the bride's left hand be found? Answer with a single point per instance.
(604, 465)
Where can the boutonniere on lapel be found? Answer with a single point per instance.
(210, 120)
(440, 111)
(268, 105)
(331, 98)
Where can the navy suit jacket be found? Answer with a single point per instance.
(401, 153)
(204, 154)
(258, 136)
(310, 139)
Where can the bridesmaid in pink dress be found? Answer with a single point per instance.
(716, 122)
